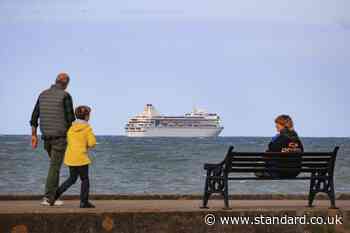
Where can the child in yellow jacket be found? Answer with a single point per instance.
(80, 138)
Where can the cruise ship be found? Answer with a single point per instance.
(150, 123)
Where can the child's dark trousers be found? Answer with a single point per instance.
(74, 172)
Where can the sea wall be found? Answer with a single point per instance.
(160, 222)
(159, 213)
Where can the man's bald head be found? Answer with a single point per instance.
(62, 80)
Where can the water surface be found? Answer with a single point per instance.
(155, 165)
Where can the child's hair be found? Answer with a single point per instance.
(285, 120)
(82, 111)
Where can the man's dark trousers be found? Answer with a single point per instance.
(56, 148)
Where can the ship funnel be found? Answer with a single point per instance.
(150, 111)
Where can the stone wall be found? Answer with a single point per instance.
(160, 222)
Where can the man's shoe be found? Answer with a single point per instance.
(52, 201)
(58, 202)
(86, 205)
(45, 202)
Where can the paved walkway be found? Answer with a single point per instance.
(137, 206)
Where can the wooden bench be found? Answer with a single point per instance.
(317, 167)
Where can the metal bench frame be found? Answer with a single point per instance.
(318, 167)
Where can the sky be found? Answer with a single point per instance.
(247, 60)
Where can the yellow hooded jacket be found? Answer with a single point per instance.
(80, 138)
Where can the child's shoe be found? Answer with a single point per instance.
(86, 205)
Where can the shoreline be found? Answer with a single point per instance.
(221, 136)
(165, 196)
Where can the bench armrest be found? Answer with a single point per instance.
(211, 166)
(218, 168)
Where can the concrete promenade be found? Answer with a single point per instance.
(161, 213)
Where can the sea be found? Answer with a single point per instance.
(123, 165)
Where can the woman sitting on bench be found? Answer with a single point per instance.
(287, 140)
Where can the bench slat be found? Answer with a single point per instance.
(255, 154)
(317, 159)
(264, 178)
(269, 178)
(290, 164)
(261, 159)
(250, 170)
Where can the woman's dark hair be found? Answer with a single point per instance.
(82, 111)
(285, 120)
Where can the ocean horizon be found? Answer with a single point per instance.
(220, 136)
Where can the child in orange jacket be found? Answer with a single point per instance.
(80, 138)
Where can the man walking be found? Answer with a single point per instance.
(54, 107)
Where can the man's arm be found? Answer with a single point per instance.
(34, 123)
(68, 109)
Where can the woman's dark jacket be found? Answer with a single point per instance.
(287, 140)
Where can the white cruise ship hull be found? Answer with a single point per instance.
(177, 132)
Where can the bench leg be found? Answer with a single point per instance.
(226, 195)
(312, 192)
(214, 183)
(206, 195)
(311, 198)
(205, 201)
(322, 185)
(331, 194)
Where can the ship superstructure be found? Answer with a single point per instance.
(150, 123)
